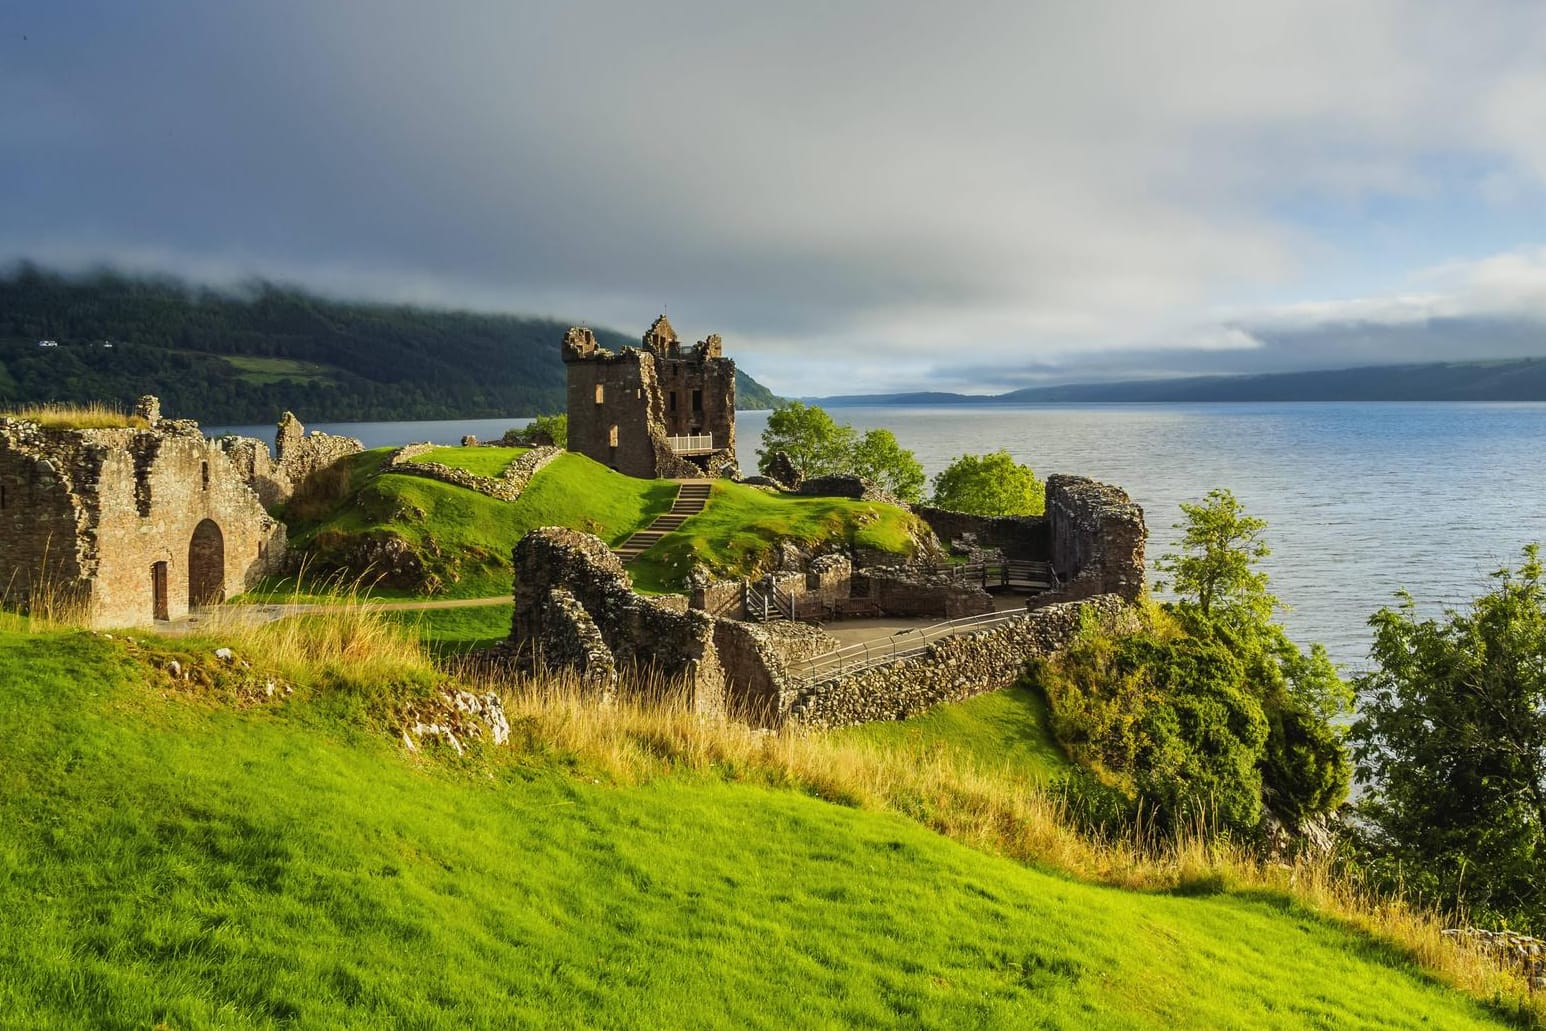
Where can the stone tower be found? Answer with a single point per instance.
(653, 411)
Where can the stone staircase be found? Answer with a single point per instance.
(692, 496)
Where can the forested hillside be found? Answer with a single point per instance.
(245, 357)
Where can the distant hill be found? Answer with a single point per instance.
(243, 357)
(1522, 379)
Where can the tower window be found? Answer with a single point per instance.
(204, 476)
(612, 437)
(600, 394)
(697, 400)
(673, 400)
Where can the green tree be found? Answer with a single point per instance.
(554, 427)
(990, 485)
(1207, 706)
(1221, 545)
(880, 459)
(1452, 736)
(816, 443)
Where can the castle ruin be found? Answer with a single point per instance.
(129, 525)
(656, 411)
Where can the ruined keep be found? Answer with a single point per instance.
(132, 524)
(655, 411)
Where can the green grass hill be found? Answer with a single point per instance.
(245, 356)
(465, 538)
(169, 859)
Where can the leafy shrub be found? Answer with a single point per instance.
(990, 485)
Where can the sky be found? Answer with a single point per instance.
(860, 197)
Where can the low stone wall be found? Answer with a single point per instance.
(755, 658)
(507, 486)
(951, 670)
(846, 487)
(1021, 538)
(723, 598)
(902, 591)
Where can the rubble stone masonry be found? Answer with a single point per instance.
(132, 524)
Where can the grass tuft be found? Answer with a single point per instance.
(63, 416)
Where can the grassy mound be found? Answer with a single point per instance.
(169, 862)
(483, 461)
(735, 535)
(462, 538)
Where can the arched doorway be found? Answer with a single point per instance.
(206, 565)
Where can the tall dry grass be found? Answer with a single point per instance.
(47, 600)
(94, 415)
(992, 810)
(649, 731)
(347, 641)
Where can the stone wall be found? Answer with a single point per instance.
(950, 670)
(507, 486)
(1021, 538)
(297, 456)
(900, 591)
(1097, 536)
(640, 635)
(723, 598)
(134, 524)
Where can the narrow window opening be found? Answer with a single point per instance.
(2, 496)
(204, 476)
(600, 394)
(673, 400)
(612, 437)
(697, 400)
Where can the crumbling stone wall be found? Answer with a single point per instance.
(297, 456)
(637, 633)
(507, 486)
(1021, 538)
(623, 407)
(132, 523)
(1097, 536)
(950, 670)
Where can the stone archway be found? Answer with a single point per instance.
(206, 565)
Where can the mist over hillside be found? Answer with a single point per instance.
(243, 356)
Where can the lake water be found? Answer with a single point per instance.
(1360, 499)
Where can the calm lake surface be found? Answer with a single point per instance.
(1360, 499)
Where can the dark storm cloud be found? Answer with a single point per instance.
(866, 193)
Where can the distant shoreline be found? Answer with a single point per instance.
(1507, 381)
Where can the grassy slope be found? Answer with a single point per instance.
(1005, 731)
(732, 536)
(479, 533)
(484, 461)
(448, 631)
(162, 860)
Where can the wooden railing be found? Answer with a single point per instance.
(765, 603)
(698, 444)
